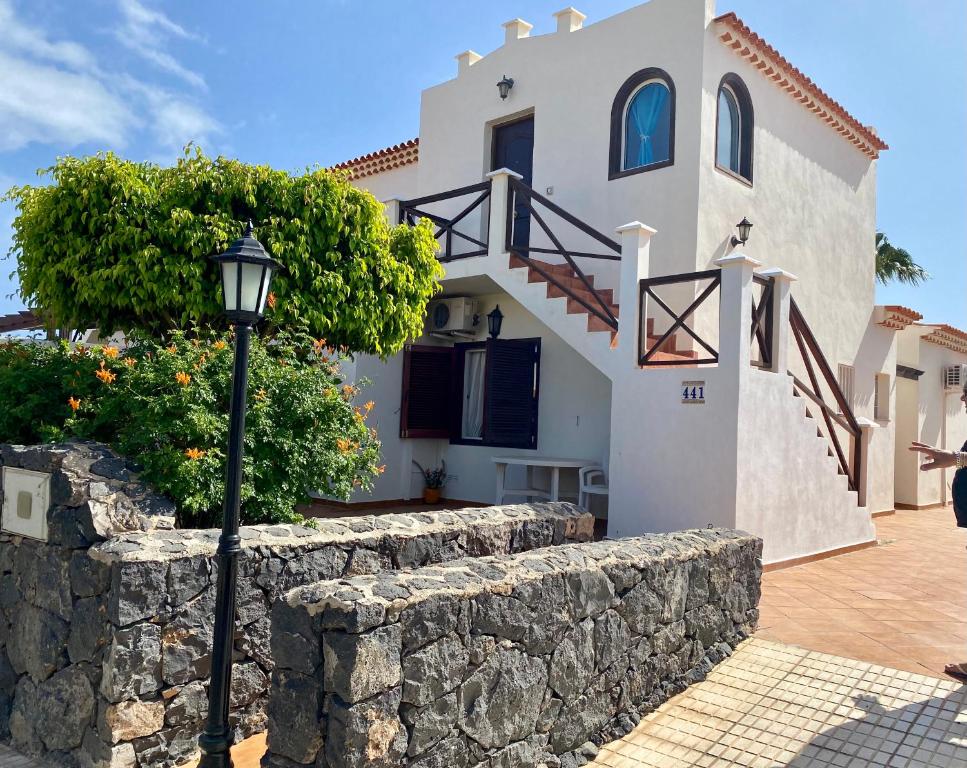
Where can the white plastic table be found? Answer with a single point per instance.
(550, 462)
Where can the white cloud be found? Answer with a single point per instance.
(54, 92)
(39, 102)
(145, 31)
(19, 37)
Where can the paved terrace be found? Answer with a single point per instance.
(859, 681)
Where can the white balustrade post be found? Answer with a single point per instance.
(392, 209)
(499, 196)
(735, 312)
(781, 294)
(862, 471)
(635, 239)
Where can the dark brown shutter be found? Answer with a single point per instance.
(513, 383)
(427, 386)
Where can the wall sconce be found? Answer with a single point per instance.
(494, 320)
(744, 227)
(504, 86)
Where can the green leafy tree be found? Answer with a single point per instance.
(894, 263)
(166, 405)
(118, 245)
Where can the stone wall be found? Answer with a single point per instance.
(519, 660)
(106, 629)
(55, 599)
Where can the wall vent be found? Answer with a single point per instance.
(954, 376)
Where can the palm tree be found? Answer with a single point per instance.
(894, 263)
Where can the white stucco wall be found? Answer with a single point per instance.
(812, 203)
(568, 81)
(876, 354)
(573, 416)
(925, 412)
(399, 183)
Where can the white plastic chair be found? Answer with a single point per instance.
(591, 481)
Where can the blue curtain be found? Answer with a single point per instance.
(648, 127)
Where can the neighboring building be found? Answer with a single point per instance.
(537, 162)
(931, 375)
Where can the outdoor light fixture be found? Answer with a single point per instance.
(246, 275)
(494, 320)
(504, 86)
(744, 227)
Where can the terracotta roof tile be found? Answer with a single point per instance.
(382, 160)
(946, 336)
(898, 317)
(747, 44)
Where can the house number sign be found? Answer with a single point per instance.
(693, 392)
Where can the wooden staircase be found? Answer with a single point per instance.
(571, 286)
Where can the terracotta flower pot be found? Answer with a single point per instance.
(431, 495)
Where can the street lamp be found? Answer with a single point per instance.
(246, 274)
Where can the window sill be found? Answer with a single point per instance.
(641, 169)
(733, 175)
(485, 444)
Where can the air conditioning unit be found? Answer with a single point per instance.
(455, 315)
(954, 376)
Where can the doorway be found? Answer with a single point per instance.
(513, 148)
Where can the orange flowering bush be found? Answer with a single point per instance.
(303, 429)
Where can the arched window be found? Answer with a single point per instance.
(734, 128)
(643, 124)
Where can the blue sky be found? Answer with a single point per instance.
(301, 82)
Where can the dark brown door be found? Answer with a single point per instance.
(514, 149)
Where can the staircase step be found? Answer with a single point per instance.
(562, 270)
(554, 292)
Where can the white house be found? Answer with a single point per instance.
(590, 181)
(931, 375)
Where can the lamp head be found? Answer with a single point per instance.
(494, 320)
(745, 228)
(504, 86)
(247, 271)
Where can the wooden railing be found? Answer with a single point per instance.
(412, 210)
(841, 415)
(762, 314)
(521, 195)
(648, 353)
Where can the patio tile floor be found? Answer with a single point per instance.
(902, 604)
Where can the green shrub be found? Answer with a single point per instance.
(117, 245)
(166, 406)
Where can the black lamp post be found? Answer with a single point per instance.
(745, 228)
(494, 320)
(246, 274)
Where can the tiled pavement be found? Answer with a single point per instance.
(775, 705)
(902, 604)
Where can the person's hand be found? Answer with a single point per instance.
(936, 458)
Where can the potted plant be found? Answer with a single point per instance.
(434, 479)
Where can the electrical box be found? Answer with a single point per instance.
(26, 499)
